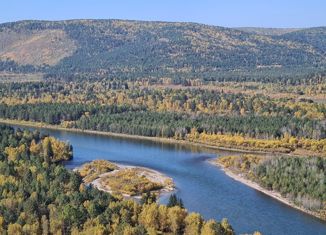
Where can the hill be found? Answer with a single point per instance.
(136, 49)
(267, 31)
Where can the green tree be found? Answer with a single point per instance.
(175, 201)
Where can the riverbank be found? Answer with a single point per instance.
(276, 195)
(139, 137)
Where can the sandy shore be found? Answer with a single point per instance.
(150, 174)
(276, 195)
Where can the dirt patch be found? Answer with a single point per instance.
(36, 48)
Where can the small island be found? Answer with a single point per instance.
(128, 181)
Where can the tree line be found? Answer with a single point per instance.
(196, 100)
(139, 121)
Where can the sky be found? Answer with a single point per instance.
(227, 13)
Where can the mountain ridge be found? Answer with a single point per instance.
(134, 49)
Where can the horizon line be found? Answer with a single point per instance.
(155, 21)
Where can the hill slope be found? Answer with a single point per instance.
(137, 49)
(268, 31)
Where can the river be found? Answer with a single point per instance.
(203, 187)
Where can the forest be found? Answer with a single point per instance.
(38, 195)
(225, 117)
(140, 121)
(302, 180)
(134, 50)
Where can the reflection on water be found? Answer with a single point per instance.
(203, 187)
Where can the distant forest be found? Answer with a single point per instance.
(214, 117)
(134, 50)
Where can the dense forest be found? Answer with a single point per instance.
(302, 180)
(139, 121)
(134, 50)
(38, 195)
(202, 115)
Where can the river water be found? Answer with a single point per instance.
(203, 187)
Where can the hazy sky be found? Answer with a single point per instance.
(231, 13)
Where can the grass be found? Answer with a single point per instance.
(130, 181)
(91, 171)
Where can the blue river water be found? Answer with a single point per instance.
(203, 187)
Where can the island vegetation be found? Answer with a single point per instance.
(38, 195)
(128, 181)
(92, 170)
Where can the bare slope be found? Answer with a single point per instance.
(35, 47)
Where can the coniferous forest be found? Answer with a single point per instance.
(213, 117)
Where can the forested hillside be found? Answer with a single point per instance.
(93, 49)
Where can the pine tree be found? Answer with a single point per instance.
(175, 201)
